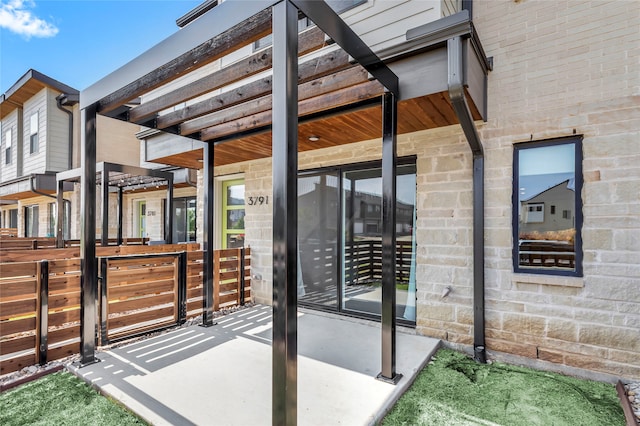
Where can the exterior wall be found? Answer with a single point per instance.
(562, 70)
(36, 162)
(11, 121)
(57, 143)
(116, 142)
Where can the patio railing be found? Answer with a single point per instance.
(40, 300)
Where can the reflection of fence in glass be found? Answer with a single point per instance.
(547, 249)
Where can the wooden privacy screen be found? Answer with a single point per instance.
(40, 300)
(363, 261)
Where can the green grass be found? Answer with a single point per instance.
(455, 390)
(61, 399)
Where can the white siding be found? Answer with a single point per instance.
(36, 162)
(449, 7)
(9, 171)
(57, 143)
(384, 23)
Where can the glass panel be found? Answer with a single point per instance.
(191, 219)
(31, 221)
(546, 207)
(235, 240)
(235, 219)
(235, 195)
(318, 239)
(362, 241)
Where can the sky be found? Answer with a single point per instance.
(77, 42)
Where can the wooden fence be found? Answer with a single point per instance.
(9, 243)
(40, 300)
(8, 232)
(362, 263)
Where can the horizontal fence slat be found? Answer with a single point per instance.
(18, 269)
(17, 326)
(139, 317)
(117, 307)
(57, 319)
(137, 290)
(17, 308)
(65, 300)
(17, 290)
(64, 334)
(54, 353)
(17, 344)
(14, 364)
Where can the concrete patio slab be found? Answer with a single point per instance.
(222, 375)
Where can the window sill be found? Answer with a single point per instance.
(548, 280)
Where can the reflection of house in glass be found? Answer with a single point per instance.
(546, 202)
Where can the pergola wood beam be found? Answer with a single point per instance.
(227, 42)
(350, 95)
(320, 86)
(323, 65)
(310, 40)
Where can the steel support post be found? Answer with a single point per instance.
(461, 108)
(389, 142)
(208, 228)
(479, 351)
(285, 213)
(60, 215)
(43, 312)
(120, 214)
(104, 206)
(168, 212)
(89, 278)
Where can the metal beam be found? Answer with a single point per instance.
(168, 212)
(60, 215)
(285, 213)
(120, 216)
(389, 145)
(208, 228)
(104, 205)
(461, 108)
(330, 22)
(89, 277)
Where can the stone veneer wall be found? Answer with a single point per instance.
(559, 69)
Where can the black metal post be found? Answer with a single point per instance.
(479, 351)
(89, 278)
(285, 213)
(389, 142)
(455, 58)
(242, 282)
(60, 215)
(104, 206)
(43, 312)
(182, 287)
(168, 213)
(207, 243)
(120, 214)
(104, 302)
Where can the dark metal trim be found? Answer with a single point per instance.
(120, 215)
(104, 301)
(579, 217)
(285, 213)
(456, 56)
(242, 279)
(89, 278)
(389, 164)
(208, 235)
(182, 287)
(331, 23)
(43, 312)
(104, 205)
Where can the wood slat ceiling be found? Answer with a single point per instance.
(416, 114)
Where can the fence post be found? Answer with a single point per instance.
(43, 312)
(216, 280)
(104, 301)
(182, 287)
(241, 272)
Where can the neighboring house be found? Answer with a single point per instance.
(40, 131)
(561, 97)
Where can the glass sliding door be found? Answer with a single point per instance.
(362, 241)
(340, 239)
(318, 238)
(184, 219)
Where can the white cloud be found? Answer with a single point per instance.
(17, 16)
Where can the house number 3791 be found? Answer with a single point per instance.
(258, 201)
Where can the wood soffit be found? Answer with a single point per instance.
(231, 106)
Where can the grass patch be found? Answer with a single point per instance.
(455, 390)
(61, 399)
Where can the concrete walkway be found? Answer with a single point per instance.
(222, 375)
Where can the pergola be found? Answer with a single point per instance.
(119, 178)
(436, 78)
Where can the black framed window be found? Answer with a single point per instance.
(547, 207)
(31, 219)
(33, 134)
